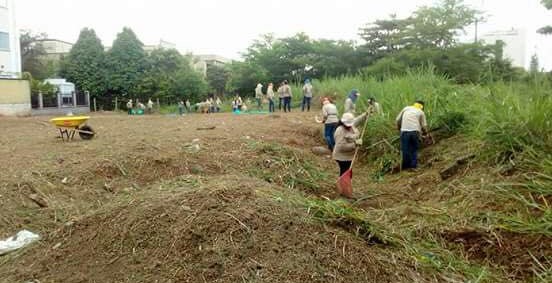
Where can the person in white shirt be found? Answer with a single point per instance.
(270, 96)
(150, 106)
(307, 95)
(411, 122)
(129, 106)
(259, 96)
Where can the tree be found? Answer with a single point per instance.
(189, 84)
(244, 76)
(383, 37)
(125, 62)
(31, 52)
(168, 75)
(548, 29)
(217, 77)
(85, 65)
(439, 26)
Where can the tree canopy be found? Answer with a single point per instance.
(86, 66)
(125, 62)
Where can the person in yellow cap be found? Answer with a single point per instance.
(411, 122)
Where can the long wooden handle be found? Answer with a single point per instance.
(361, 137)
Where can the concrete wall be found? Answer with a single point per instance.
(61, 111)
(15, 97)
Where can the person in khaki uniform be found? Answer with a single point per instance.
(347, 138)
(350, 102)
(411, 122)
(330, 120)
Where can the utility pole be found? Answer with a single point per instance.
(477, 21)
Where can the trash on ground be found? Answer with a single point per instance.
(20, 240)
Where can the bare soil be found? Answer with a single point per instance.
(139, 204)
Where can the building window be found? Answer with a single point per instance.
(4, 41)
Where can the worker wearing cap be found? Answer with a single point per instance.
(411, 122)
(347, 138)
(350, 102)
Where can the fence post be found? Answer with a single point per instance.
(87, 98)
(95, 109)
(58, 94)
(116, 104)
(74, 99)
(40, 101)
(158, 105)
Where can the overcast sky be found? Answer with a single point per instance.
(227, 27)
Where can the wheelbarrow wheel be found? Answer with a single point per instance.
(86, 132)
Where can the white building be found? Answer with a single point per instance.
(202, 62)
(517, 46)
(10, 52)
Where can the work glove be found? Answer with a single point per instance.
(358, 142)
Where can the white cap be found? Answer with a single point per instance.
(348, 119)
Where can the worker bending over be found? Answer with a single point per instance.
(411, 122)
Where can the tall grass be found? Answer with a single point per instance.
(511, 120)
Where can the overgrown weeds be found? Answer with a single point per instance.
(284, 166)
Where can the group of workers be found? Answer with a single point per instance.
(139, 105)
(285, 94)
(343, 137)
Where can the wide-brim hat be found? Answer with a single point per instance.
(348, 119)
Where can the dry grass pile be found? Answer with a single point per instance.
(222, 230)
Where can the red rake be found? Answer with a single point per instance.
(345, 181)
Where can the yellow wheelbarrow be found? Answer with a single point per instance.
(70, 125)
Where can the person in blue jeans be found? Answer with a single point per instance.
(270, 96)
(411, 122)
(331, 120)
(307, 95)
(286, 90)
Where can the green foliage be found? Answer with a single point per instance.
(38, 86)
(31, 53)
(512, 126)
(125, 62)
(466, 63)
(85, 66)
(439, 25)
(293, 58)
(190, 85)
(217, 77)
(244, 76)
(427, 28)
(546, 29)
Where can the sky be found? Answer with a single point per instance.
(228, 27)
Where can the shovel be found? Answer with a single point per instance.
(345, 181)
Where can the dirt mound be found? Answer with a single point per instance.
(514, 252)
(220, 231)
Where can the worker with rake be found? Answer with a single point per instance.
(347, 141)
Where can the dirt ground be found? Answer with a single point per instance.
(141, 203)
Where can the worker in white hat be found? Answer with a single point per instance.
(347, 138)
